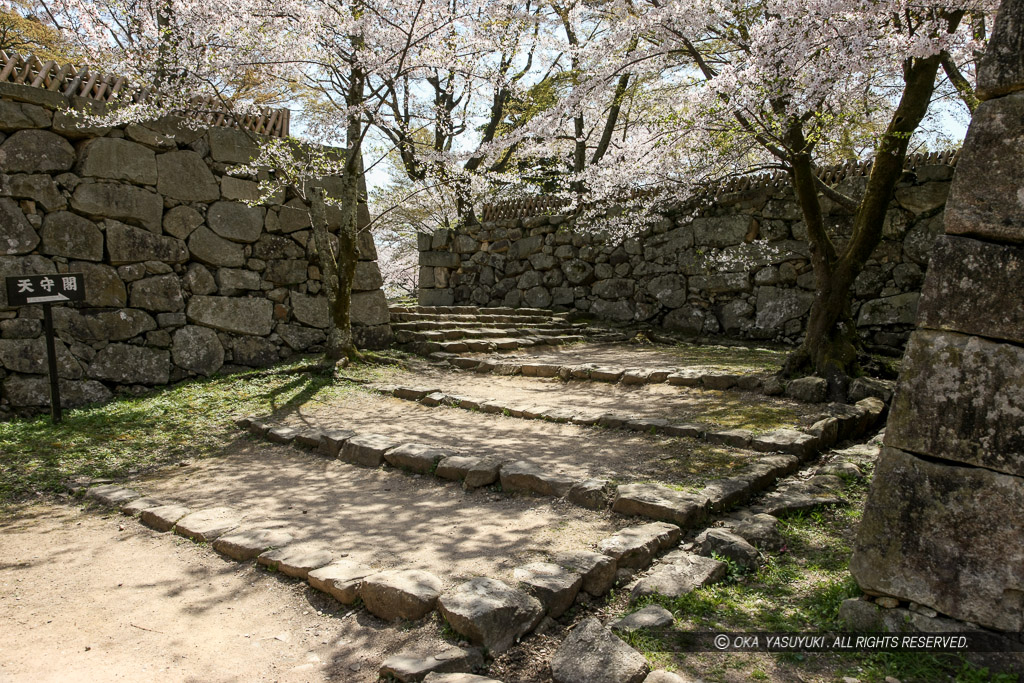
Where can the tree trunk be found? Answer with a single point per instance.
(831, 344)
(338, 271)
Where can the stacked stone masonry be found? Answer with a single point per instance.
(734, 264)
(942, 524)
(183, 278)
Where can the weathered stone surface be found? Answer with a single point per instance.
(634, 547)
(340, 579)
(232, 314)
(247, 544)
(129, 364)
(593, 654)
(554, 585)
(414, 457)
(367, 450)
(961, 398)
(126, 244)
(29, 356)
(124, 203)
(370, 308)
(686, 574)
(730, 546)
(163, 517)
(281, 434)
(761, 531)
(785, 441)
(798, 496)
(777, 305)
(597, 569)
(310, 310)
(411, 667)
(984, 200)
(490, 613)
(257, 352)
(117, 159)
(299, 337)
(400, 594)
(231, 146)
(525, 476)
(235, 221)
(734, 438)
(39, 187)
(661, 676)
(973, 287)
(36, 151)
(110, 494)
(944, 536)
(660, 502)
(232, 281)
(286, 271)
(900, 309)
(17, 235)
(183, 175)
(652, 616)
(136, 506)
(1001, 68)
(367, 277)
(808, 389)
(297, 559)
(204, 526)
(181, 221)
(160, 293)
(68, 234)
(94, 326)
(333, 440)
(473, 471)
(590, 493)
(208, 247)
(434, 677)
(34, 391)
(15, 116)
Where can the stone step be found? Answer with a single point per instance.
(454, 333)
(418, 325)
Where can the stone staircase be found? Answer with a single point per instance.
(458, 329)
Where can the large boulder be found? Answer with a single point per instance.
(212, 249)
(129, 364)
(240, 315)
(490, 613)
(961, 398)
(28, 356)
(100, 325)
(126, 244)
(18, 235)
(68, 234)
(593, 654)
(36, 151)
(197, 349)
(40, 188)
(235, 221)
(134, 205)
(900, 309)
(32, 391)
(117, 159)
(944, 536)
(777, 305)
(183, 175)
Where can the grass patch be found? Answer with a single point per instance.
(688, 464)
(131, 434)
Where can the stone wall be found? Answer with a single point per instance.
(735, 263)
(182, 277)
(942, 527)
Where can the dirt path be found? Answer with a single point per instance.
(383, 519)
(90, 597)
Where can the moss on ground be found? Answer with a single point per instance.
(188, 420)
(738, 359)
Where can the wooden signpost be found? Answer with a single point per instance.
(58, 288)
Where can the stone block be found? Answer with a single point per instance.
(971, 287)
(593, 654)
(247, 544)
(395, 594)
(490, 613)
(204, 526)
(340, 579)
(117, 159)
(212, 249)
(15, 116)
(28, 356)
(661, 503)
(900, 309)
(34, 391)
(99, 325)
(310, 310)
(36, 151)
(70, 235)
(552, 584)
(409, 668)
(944, 536)
(778, 305)
(235, 221)
(367, 277)
(439, 259)
(183, 175)
(231, 146)
(18, 237)
(597, 569)
(126, 244)
(367, 450)
(960, 398)
(634, 547)
(414, 457)
(40, 188)
(257, 352)
(370, 308)
(333, 440)
(160, 293)
(525, 476)
(297, 559)
(985, 198)
(684, 575)
(134, 205)
(240, 315)
(130, 364)
(163, 517)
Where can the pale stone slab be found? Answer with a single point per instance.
(411, 667)
(367, 450)
(247, 544)
(139, 504)
(414, 457)
(555, 586)
(490, 613)
(634, 547)
(395, 594)
(110, 494)
(296, 560)
(525, 476)
(162, 518)
(686, 574)
(593, 654)
(207, 525)
(661, 503)
(340, 579)
(652, 616)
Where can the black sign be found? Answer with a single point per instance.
(59, 288)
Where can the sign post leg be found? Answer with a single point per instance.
(51, 358)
